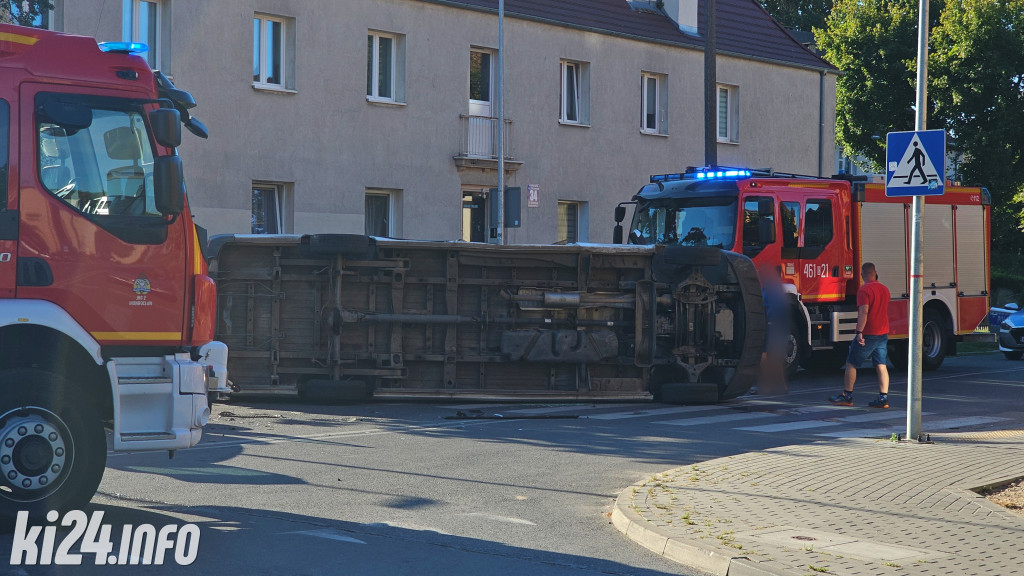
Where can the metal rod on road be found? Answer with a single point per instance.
(917, 242)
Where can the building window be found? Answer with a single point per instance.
(44, 15)
(727, 114)
(572, 219)
(272, 45)
(653, 104)
(385, 67)
(268, 208)
(142, 21)
(575, 93)
(382, 214)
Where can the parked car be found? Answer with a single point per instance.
(1007, 322)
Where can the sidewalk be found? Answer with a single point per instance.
(843, 507)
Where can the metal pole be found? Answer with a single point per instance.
(917, 243)
(710, 87)
(501, 124)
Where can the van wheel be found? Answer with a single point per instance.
(1014, 355)
(935, 339)
(52, 446)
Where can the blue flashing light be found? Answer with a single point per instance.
(124, 47)
(703, 174)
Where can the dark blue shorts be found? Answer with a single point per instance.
(874, 346)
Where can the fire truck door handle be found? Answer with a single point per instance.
(835, 271)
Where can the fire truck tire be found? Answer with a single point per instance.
(53, 448)
(935, 338)
(795, 350)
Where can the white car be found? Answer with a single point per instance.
(1007, 322)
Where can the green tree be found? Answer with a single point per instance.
(803, 15)
(873, 43)
(976, 80)
(24, 12)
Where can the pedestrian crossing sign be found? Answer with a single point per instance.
(915, 163)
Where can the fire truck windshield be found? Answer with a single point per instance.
(697, 221)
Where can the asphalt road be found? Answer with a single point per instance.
(280, 487)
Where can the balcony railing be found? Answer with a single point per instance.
(480, 138)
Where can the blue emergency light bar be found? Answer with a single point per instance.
(703, 174)
(124, 47)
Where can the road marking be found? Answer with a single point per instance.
(329, 535)
(789, 410)
(927, 427)
(655, 412)
(805, 424)
(496, 518)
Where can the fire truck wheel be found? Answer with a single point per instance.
(935, 338)
(795, 347)
(52, 446)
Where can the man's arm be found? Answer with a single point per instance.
(862, 320)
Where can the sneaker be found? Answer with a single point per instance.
(879, 403)
(844, 399)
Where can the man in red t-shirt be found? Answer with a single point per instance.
(872, 338)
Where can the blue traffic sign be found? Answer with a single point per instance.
(915, 163)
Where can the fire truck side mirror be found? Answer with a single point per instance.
(620, 214)
(617, 234)
(169, 185)
(166, 125)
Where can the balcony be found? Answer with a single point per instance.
(478, 147)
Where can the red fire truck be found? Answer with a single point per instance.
(818, 232)
(106, 309)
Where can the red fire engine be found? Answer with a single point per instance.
(818, 232)
(106, 309)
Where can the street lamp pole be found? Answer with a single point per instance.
(917, 242)
(500, 197)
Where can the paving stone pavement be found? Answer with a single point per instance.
(846, 507)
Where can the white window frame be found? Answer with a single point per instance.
(131, 30)
(397, 68)
(394, 210)
(281, 202)
(286, 43)
(660, 103)
(582, 217)
(580, 93)
(731, 109)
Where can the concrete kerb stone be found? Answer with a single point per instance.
(699, 556)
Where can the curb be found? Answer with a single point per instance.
(695, 555)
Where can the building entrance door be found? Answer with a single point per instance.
(474, 216)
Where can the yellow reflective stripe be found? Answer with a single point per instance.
(819, 296)
(808, 185)
(197, 255)
(18, 38)
(137, 335)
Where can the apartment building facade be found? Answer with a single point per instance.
(379, 116)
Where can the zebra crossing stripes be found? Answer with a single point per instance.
(927, 426)
(821, 423)
(718, 418)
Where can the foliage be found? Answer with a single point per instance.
(976, 77)
(24, 12)
(873, 43)
(803, 15)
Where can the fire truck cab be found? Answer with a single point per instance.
(817, 232)
(106, 307)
